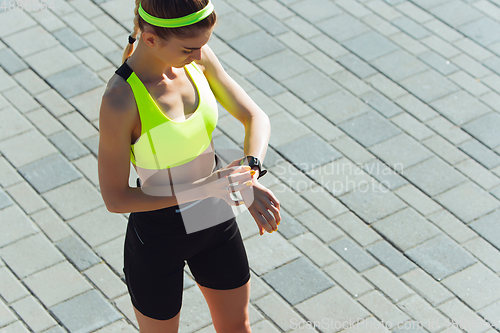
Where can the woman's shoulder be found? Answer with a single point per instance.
(118, 95)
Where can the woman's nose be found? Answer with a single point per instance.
(196, 55)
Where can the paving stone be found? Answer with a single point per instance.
(467, 201)
(7, 318)
(383, 308)
(391, 286)
(480, 153)
(488, 227)
(485, 252)
(308, 152)
(426, 286)
(32, 313)
(417, 199)
(265, 83)
(357, 66)
(479, 174)
(278, 310)
(107, 281)
(399, 65)
(89, 102)
(456, 13)
(290, 227)
(428, 86)
(26, 197)
(30, 41)
(433, 176)
(324, 202)
(301, 27)
(353, 254)
(448, 130)
(6, 81)
(31, 82)
(348, 278)
(424, 314)
(56, 329)
(315, 10)
(342, 27)
(369, 324)
(101, 42)
(50, 172)
(57, 283)
(476, 285)
(68, 86)
(401, 152)
(281, 123)
(94, 312)
(341, 176)
(51, 224)
(391, 257)
(440, 257)
(30, 255)
(373, 204)
(78, 253)
(289, 280)
(412, 126)
(11, 62)
(490, 313)
(296, 43)
(14, 225)
(493, 63)
(370, 46)
(78, 125)
(256, 45)
(405, 229)
(340, 106)
(443, 148)
(20, 99)
(12, 123)
(314, 249)
(438, 62)
(13, 21)
(8, 175)
(356, 229)
(485, 31)
(5, 200)
(112, 253)
(369, 128)
(259, 246)
(411, 27)
(332, 303)
(483, 129)
(74, 198)
(329, 46)
(311, 85)
(10, 287)
(294, 105)
(68, 145)
(470, 84)
(43, 62)
(320, 226)
(233, 26)
(382, 104)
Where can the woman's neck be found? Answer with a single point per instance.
(146, 65)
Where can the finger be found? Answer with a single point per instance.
(264, 223)
(240, 177)
(237, 188)
(274, 201)
(270, 220)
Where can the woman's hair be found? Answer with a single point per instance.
(169, 9)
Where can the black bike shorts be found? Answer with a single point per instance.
(157, 247)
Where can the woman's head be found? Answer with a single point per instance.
(169, 10)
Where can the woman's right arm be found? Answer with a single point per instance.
(116, 122)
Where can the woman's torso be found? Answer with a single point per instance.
(173, 105)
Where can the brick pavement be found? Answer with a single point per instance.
(389, 179)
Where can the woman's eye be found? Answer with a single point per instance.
(187, 52)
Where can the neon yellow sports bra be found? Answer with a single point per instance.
(165, 143)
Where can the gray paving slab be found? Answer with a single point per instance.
(468, 201)
(456, 13)
(74, 81)
(94, 312)
(340, 106)
(49, 172)
(479, 152)
(484, 30)
(406, 229)
(411, 27)
(308, 152)
(357, 66)
(399, 65)
(310, 86)
(483, 129)
(370, 45)
(488, 227)
(69, 145)
(391, 257)
(315, 10)
(438, 62)
(381, 103)
(369, 128)
(78, 253)
(429, 85)
(265, 83)
(460, 107)
(298, 280)
(433, 176)
(353, 254)
(70, 39)
(11, 62)
(5, 200)
(256, 45)
(270, 24)
(342, 27)
(290, 227)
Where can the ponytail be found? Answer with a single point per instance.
(129, 49)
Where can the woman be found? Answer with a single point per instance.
(159, 112)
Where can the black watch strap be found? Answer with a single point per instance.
(253, 162)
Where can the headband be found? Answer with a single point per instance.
(179, 21)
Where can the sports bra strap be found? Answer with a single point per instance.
(124, 71)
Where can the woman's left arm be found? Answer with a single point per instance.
(256, 122)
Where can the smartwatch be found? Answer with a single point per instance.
(254, 163)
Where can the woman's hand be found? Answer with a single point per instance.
(259, 201)
(218, 183)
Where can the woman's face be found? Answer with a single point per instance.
(180, 52)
